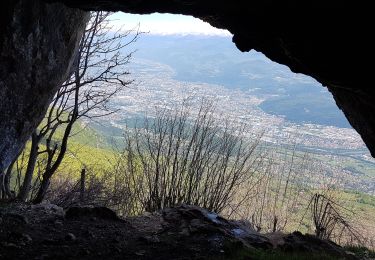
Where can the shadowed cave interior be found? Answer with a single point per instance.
(38, 40)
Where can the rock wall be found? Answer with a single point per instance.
(37, 42)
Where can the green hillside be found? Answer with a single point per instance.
(89, 147)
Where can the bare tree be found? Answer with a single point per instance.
(332, 221)
(98, 73)
(277, 191)
(178, 157)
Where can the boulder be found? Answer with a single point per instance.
(192, 220)
(90, 212)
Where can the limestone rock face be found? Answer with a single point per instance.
(37, 43)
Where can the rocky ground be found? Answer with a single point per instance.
(47, 231)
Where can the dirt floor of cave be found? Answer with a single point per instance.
(50, 236)
(46, 231)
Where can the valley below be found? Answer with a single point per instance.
(246, 90)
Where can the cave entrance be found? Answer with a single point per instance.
(181, 55)
(182, 58)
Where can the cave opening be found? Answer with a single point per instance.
(182, 57)
(287, 33)
(306, 156)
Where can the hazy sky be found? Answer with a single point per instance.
(167, 24)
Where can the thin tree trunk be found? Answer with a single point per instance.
(5, 184)
(42, 191)
(26, 186)
(82, 188)
(64, 144)
(7, 177)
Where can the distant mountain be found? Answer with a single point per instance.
(215, 60)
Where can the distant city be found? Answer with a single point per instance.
(155, 87)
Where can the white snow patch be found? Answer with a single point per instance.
(213, 217)
(238, 231)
